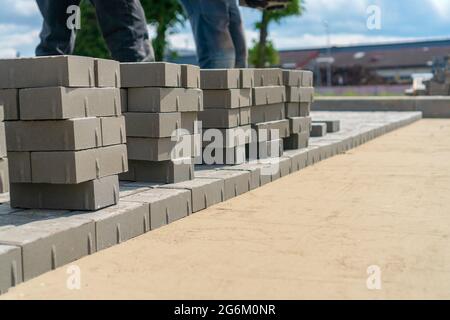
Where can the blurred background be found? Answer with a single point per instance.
(354, 47)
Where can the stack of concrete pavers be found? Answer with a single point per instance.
(227, 101)
(65, 133)
(299, 96)
(163, 101)
(4, 175)
(268, 117)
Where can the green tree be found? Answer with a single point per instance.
(263, 52)
(165, 15)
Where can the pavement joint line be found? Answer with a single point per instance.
(33, 242)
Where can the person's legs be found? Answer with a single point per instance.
(210, 24)
(56, 37)
(238, 35)
(124, 28)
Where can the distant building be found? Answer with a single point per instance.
(378, 64)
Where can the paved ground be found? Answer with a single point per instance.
(310, 235)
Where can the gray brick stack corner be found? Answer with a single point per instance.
(162, 102)
(65, 133)
(4, 174)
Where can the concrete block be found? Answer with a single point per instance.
(225, 155)
(260, 172)
(74, 167)
(284, 165)
(272, 130)
(190, 76)
(10, 267)
(247, 78)
(128, 188)
(86, 196)
(270, 149)
(299, 159)
(220, 79)
(297, 141)
(56, 103)
(305, 109)
(118, 223)
(300, 124)
(268, 77)
(220, 118)
(245, 116)
(307, 78)
(231, 137)
(318, 129)
(332, 125)
(227, 98)
(164, 100)
(189, 122)
(292, 78)
(165, 205)
(236, 182)
(150, 74)
(204, 192)
(113, 131)
(296, 94)
(314, 155)
(73, 134)
(49, 244)
(3, 151)
(107, 73)
(9, 99)
(65, 71)
(268, 95)
(161, 149)
(152, 125)
(4, 176)
(266, 113)
(20, 167)
(171, 171)
(124, 100)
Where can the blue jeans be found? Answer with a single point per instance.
(218, 32)
(122, 23)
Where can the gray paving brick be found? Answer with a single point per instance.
(49, 244)
(318, 129)
(124, 100)
(107, 73)
(300, 124)
(9, 98)
(10, 267)
(219, 118)
(73, 167)
(270, 149)
(151, 74)
(164, 100)
(296, 141)
(270, 112)
(204, 192)
(245, 116)
(307, 78)
(165, 205)
(299, 159)
(292, 78)
(265, 130)
(231, 137)
(268, 77)
(236, 182)
(190, 76)
(128, 188)
(152, 125)
(189, 122)
(220, 79)
(171, 171)
(66, 71)
(91, 195)
(227, 155)
(113, 130)
(295, 94)
(118, 223)
(4, 175)
(20, 167)
(332, 125)
(78, 134)
(247, 78)
(268, 95)
(227, 98)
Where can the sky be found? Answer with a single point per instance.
(399, 20)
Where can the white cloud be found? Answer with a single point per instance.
(22, 7)
(8, 53)
(441, 8)
(14, 37)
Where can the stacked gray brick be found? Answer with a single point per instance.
(227, 101)
(4, 175)
(65, 133)
(162, 105)
(268, 116)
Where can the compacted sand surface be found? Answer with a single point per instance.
(313, 234)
